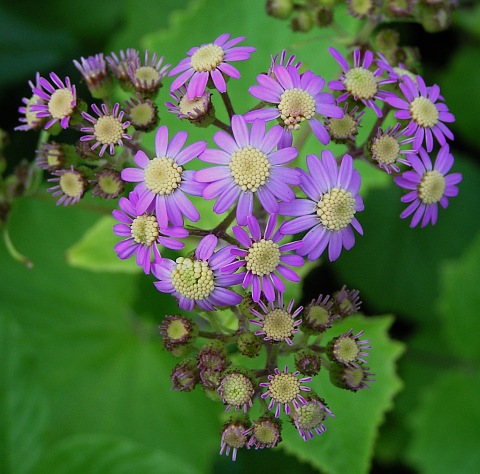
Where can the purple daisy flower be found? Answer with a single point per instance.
(329, 209)
(277, 322)
(60, 100)
(143, 234)
(200, 279)
(426, 114)
(30, 120)
(429, 185)
(280, 59)
(147, 77)
(359, 82)
(94, 72)
(264, 259)
(284, 389)
(108, 129)
(163, 180)
(210, 61)
(297, 98)
(248, 167)
(71, 186)
(120, 65)
(309, 418)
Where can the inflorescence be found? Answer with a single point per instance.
(275, 207)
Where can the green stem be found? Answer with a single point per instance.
(228, 104)
(13, 251)
(223, 126)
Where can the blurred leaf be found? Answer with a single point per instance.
(100, 359)
(94, 251)
(111, 455)
(468, 19)
(23, 409)
(396, 268)
(348, 443)
(24, 43)
(447, 426)
(459, 303)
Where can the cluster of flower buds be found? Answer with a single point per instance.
(275, 207)
(433, 15)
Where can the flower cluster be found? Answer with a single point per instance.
(272, 207)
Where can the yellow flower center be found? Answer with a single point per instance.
(343, 128)
(361, 7)
(296, 106)
(108, 130)
(265, 432)
(176, 330)
(31, 117)
(346, 350)
(360, 82)
(60, 103)
(188, 106)
(146, 73)
(237, 389)
(284, 388)
(318, 314)
(431, 187)
(235, 439)
(144, 229)
(142, 114)
(424, 112)
(385, 149)
(53, 157)
(278, 324)
(309, 416)
(336, 209)
(163, 175)
(193, 278)
(250, 168)
(207, 58)
(72, 184)
(263, 257)
(109, 185)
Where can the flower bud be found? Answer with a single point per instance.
(281, 9)
(303, 21)
(265, 432)
(249, 344)
(233, 436)
(350, 378)
(142, 113)
(347, 349)
(346, 302)
(185, 375)
(178, 333)
(236, 389)
(308, 362)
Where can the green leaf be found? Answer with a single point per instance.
(94, 251)
(111, 455)
(459, 303)
(23, 408)
(358, 415)
(447, 425)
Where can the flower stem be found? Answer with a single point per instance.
(13, 251)
(223, 126)
(228, 104)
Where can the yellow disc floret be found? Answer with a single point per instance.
(431, 187)
(263, 257)
(108, 130)
(237, 389)
(147, 73)
(361, 83)
(346, 350)
(296, 106)
(250, 168)
(163, 175)
(207, 58)
(72, 184)
(385, 149)
(336, 209)
(193, 278)
(60, 103)
(144, 229)
(309, 416)
(278, 324)
(284, 388)
(424, 112)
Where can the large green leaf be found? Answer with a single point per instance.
(348, 443)
(103, 454)
(23, 405)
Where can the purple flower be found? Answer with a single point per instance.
(163, 180)
(143, 234)
(429, 185)
(31, 121)
(426, 114)
(199, 279)
(210, 61)
(277, 322)
(71, 186)
(280, 59)
(309, 418)
(120, 65)
(297, 98)
(248, 167)
(94, 72)
(108, 129)
(147, 77)
(60, 100)
(359, 82)
(264, 259)
(329, 209)
(284, 389)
